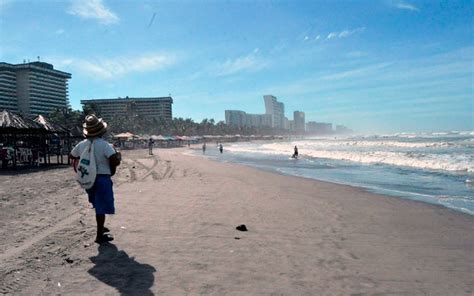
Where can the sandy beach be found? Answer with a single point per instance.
(175, 235)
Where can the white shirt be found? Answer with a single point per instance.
(102, 152)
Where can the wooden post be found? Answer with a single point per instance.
(45, 148)
(68, 145)
(14, 149)
(58, 151)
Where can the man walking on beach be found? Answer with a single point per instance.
(101, 194)
(150, 146)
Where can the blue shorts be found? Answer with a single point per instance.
(101, 195)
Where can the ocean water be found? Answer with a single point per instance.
(436, 168)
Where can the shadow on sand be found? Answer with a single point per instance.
(21, 170)
(116, 269)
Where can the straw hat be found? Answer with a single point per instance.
(94, 126)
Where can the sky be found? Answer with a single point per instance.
(375, 66)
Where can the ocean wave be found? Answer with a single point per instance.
(444, 162)
(385, 143)
(454, 198)
(423, 161)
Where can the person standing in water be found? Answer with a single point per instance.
(295, 154)
(221, 148)
(204, 148)
(101, 195)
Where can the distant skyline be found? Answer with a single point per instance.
(374, 66)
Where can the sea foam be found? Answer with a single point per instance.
(421, 155)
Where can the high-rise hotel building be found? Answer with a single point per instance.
(276, 110)
(151, 107)
(240, 118)
(33, 88)
(299, 121)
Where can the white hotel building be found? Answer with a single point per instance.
(274, 115)
(149, 107)
(276, 110)
(33, 88)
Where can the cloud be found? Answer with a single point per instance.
(345, 33)
(59, 31)
(110, 68)
(406, 6)
(93, 9)
(249, 63)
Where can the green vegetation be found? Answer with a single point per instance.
(177, 126)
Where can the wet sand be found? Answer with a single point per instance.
(175, 235)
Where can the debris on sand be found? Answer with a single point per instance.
(241, 227)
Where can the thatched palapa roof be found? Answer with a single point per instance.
(50, 126)
(77, 132)
(10, 120)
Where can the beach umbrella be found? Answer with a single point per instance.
(126, 135)
(183, 138)
(158, 138)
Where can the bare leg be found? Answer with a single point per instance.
(100, 225)
(101, 229)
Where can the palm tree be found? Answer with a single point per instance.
(67, 117)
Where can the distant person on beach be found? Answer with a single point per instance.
(221, 148)
(101, 195)
(204, 148)
(150, 146)
(295, 154)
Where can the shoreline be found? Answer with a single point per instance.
(387, 192)
(354, 187)
(175, 234)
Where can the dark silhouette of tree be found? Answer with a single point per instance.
(67, 117)
(158, 126)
